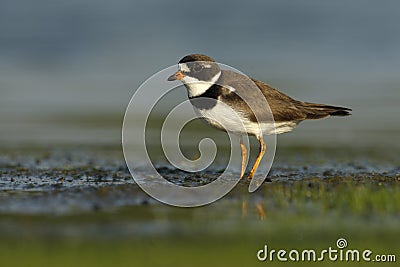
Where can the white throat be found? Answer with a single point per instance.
(196, 87)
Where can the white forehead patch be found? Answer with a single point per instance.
(183, 67)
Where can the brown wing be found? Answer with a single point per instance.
(241, 93)
(257, 93)
(286, 108)
(283, 107)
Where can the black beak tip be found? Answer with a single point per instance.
(172, 78)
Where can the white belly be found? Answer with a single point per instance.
(224, 118)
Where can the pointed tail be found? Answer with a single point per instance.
(319, 111)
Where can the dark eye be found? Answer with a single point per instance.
(197, 68)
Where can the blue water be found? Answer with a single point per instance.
(61, 58)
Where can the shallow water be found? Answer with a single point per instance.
(84, 200)
(54, 181)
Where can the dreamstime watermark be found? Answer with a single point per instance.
(135, 140)
(338, 253)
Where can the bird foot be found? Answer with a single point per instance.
(251, 175)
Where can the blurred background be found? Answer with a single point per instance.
(69, 68)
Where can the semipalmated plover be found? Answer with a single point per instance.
(203, 78)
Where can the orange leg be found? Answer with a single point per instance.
(244, 156)
(263, 148)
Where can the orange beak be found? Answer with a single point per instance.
(176, 76)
